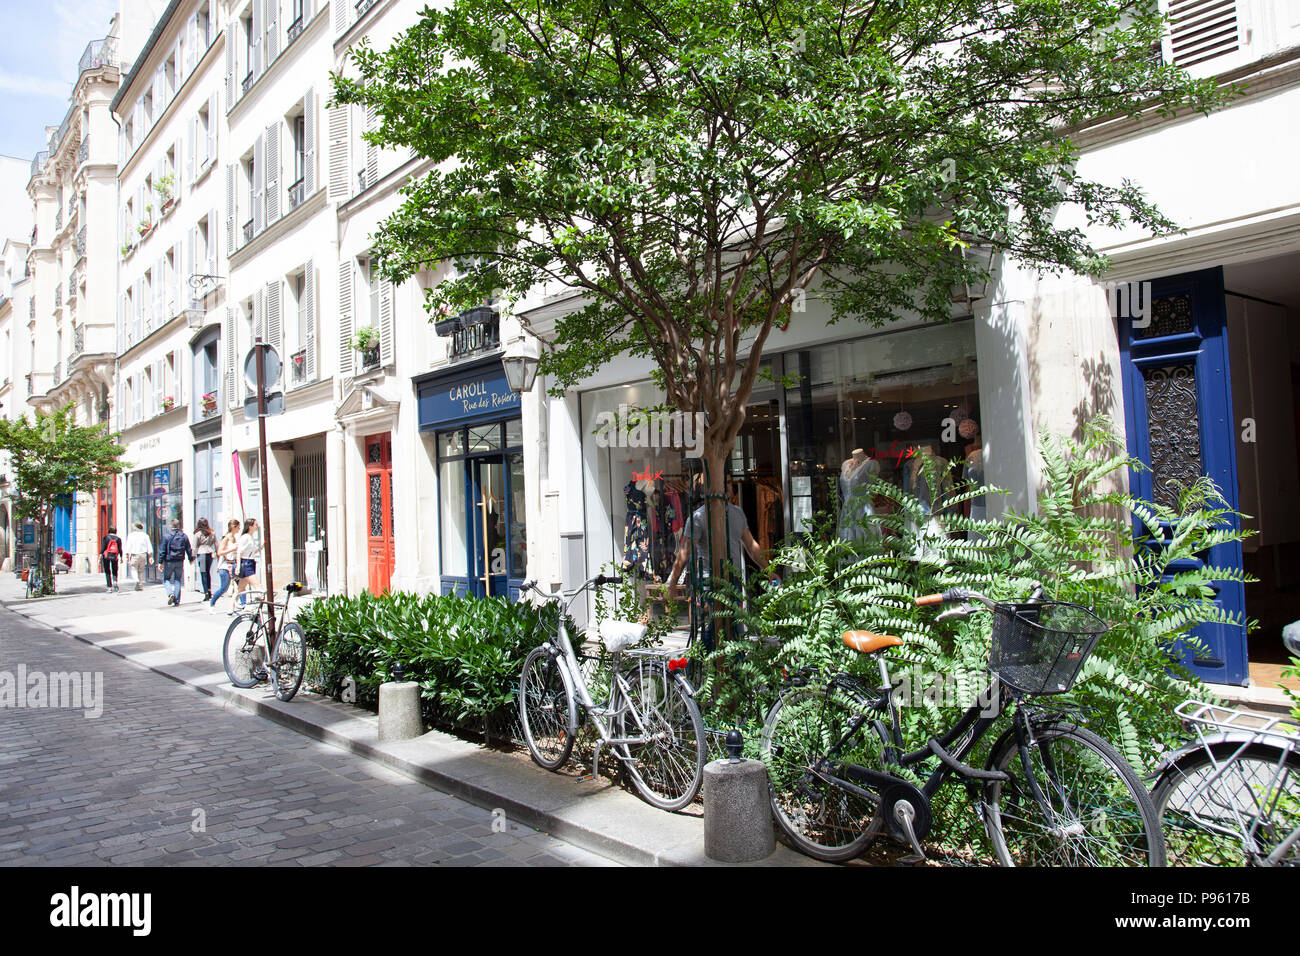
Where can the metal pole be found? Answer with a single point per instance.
(266, 498)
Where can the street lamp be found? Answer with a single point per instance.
(978, 260)
(520, 363)
(202, 285)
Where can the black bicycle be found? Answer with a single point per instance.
(248, 653)
(1050, 794)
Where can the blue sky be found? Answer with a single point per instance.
(40, 44)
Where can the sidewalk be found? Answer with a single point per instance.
(184, 644)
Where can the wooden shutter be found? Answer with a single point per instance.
(338, 134)
(210, 242)
(272, 173)
(345, 317)
(231, 345)
(259, 184)
(372, 151)
(342, 11)
(272, 45)
(274, 327)
(309, 144)
(385, 320)
(255, 28)
(309, 306)
(212, 130)
(1201, 30)
(230, 65)
(191, 148)
(230, 208)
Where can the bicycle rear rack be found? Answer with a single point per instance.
(1199, 714)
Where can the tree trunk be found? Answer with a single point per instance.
(716, 451)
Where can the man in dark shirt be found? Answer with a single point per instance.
(173, 552)
(110, 552)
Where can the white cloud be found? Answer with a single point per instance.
(34, 86)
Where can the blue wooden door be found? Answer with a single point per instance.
(1178, 409)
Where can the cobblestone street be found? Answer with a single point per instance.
(167, 776)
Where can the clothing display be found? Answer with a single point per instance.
(974, 473)
(636, 531)
(856, 473)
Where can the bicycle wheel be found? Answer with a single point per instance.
(290, 655)
(1100, 814)
(805, 730)
(667, 764)
(1196, 807)
(239, 653)
(546, 708)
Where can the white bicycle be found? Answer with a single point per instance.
(649, 719)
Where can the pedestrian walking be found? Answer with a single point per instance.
(205, 550)
(172, 554)
(227, 555)
(139, 552)
(110, 550)
(246, 573)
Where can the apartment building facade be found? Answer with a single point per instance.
(70, 335)
(15, 305)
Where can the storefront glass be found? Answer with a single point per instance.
(154, 497)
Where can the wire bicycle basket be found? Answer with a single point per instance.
(1039, 649)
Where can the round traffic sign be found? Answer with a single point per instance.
(270, 367)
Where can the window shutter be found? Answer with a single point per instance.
(255, 25)
(372, 151)
(156, 405)
(385, 322)
(309, 146)
(229, 332)
(272, 173)
(230, 208)
(272, 45)
(309, 306)
(338, 134)
(159, 93)
(345, 317)
(191, 147)
(210, 241)
(259, 185)
(191, 43)
(212, 130)
(191, 268)
(230, 66)
(274, 327)
(1201, 30)
(342, 10)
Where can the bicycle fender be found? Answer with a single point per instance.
(1231, 738)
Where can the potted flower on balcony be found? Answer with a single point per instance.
(165, 188)
(446, 323)
(209, 403)
(168, 403)
(366, 341)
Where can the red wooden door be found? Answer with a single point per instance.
(379, 511)
(105, 508)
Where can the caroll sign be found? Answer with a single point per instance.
(465, 396)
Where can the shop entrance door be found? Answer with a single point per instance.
(105, 511)
(489, 525)
(1178, 404)
(379, 511)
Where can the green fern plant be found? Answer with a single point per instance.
(1086, 542)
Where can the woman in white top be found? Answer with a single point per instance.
(139, 552)
(246, 563)
(227, 558)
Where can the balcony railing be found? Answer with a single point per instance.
(72, 207)
(58, 296)
(38, 164)
(83, 151)
(295, 28)
(72, 287)
(28, 377)
(298, 367)
(295, 194)
(479, 329)
(363, 6)
(58, 373)
(248, 231)
(80, 244)
(361, 180)
(248, 82)
(78, 343)
(99, 53)
(58, 220)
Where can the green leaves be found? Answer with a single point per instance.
(465, 653)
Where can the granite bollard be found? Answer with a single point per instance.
(737, 815)
(399, 711)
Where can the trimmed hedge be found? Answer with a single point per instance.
(466, 653)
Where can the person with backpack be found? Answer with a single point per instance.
(172, 555)
(110, 550)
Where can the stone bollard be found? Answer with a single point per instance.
(737, 814)
(399, 711)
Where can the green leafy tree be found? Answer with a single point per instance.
(53, 459)
(694, 170)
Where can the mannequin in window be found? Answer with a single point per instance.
(856, 472)
(973, 471)
(636, 531)
(915, 481)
